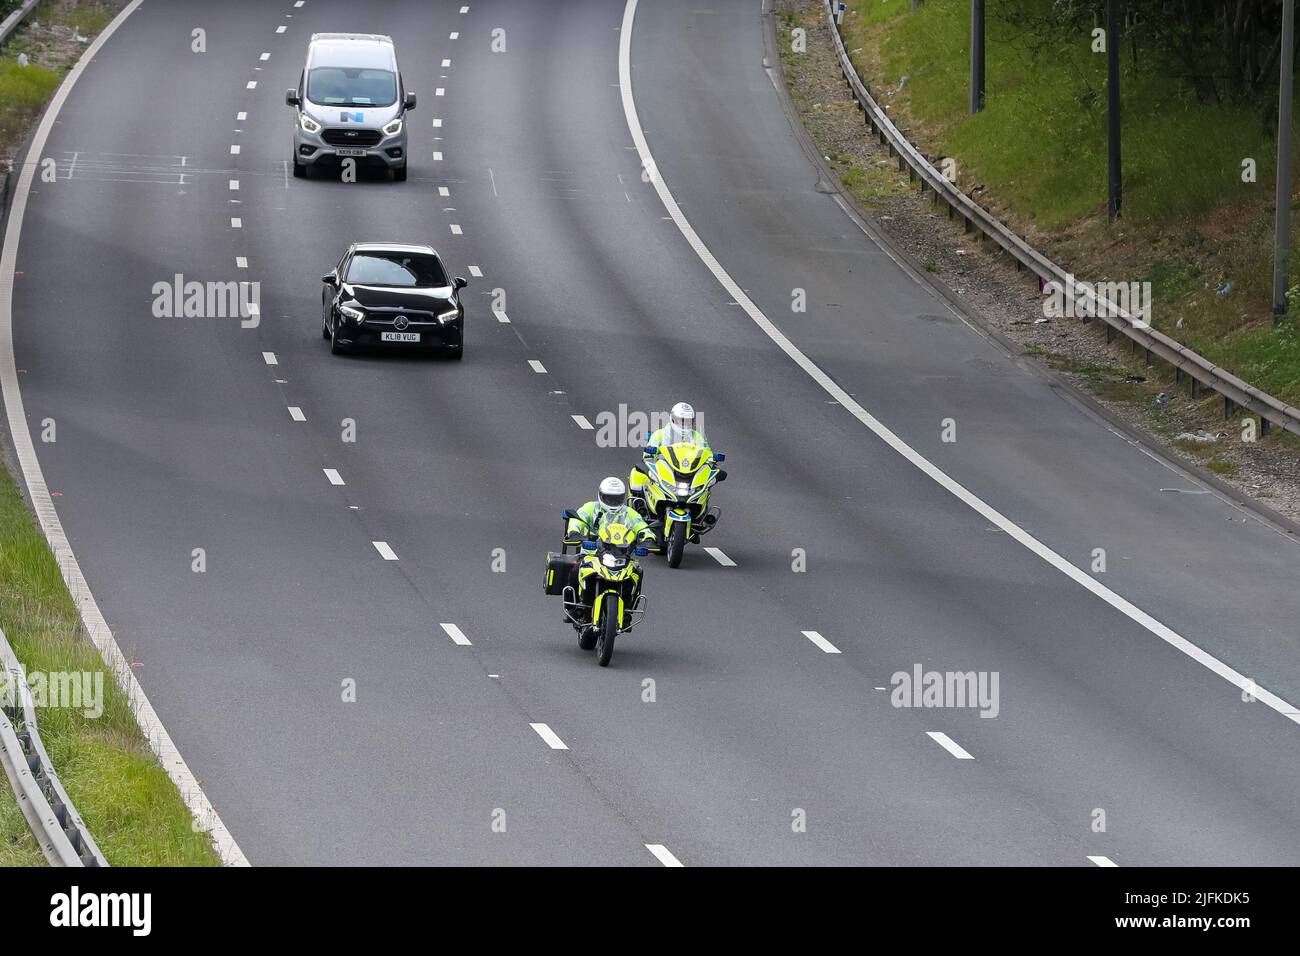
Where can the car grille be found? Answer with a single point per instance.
(351, 137)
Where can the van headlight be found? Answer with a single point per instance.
(308, 124)
(393, 128)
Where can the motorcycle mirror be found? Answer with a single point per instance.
(722, 476)
(719, 458)
(567, 514)
(641, 552)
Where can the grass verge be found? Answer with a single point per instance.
(1195, 225)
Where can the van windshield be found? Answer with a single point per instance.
(351, 86)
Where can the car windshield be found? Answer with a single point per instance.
(400, 269)
(351, 86)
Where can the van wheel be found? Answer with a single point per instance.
(399, 174)
(299, 170)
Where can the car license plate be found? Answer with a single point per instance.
(399, 336)
(349, 152)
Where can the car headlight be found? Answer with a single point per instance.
(448, 316)
(393, 128)
(612, 560)
(308, 124)
(356, 315)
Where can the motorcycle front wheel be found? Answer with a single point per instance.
(676, 544)
(608, 631)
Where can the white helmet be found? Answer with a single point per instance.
(612, 495)
(682, 421)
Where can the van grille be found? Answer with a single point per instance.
(351, 137)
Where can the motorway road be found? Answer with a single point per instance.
(175, 434)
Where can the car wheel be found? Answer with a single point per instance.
(399, 174)
(324, 321)
(299, 170)
(335, 347)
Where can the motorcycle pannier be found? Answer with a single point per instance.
(558, 569)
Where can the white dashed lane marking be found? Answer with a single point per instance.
(552, 739)
(476, 272)
(948, 744)
(821, 642)
(501, 316)
(662, 854)
(1103, 861)
(269, 358)
(537, 366)
(296, 414)
(252, 85)
(722, 559)
(387, 553)
(455, 634)
(241, 262)
(334, 477)
(236, 222)
(456, 230)
(581, 421)
(437, 156)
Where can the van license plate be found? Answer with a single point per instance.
(349, 152)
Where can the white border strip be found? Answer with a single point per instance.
(1125, 607)
(205, 816)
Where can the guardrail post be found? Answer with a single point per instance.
(1227, 408)
(1196, 388)
(1264, 425)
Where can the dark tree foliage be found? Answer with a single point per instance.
(1224, 50)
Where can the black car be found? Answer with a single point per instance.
(394, 295)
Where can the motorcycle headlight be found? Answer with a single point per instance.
(393, 128)
(683, 488)
(356, 315)
(448, 316)
(308, 124)
(612, 560)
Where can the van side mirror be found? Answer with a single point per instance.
(330, 278)
(459, 283)
(291, 97)
(409, 102)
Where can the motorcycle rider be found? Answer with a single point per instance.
(681, 428)
(610, 505)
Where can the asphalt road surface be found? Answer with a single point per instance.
(177, 434)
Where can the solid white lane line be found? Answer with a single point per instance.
(296, 414)
(501, 316)
(821, 642)
(236, 222)
(1125, 607)
(205, 817)
(387, 553)
(537, 366)
(581, 421)
(948, 744)
(455, 634)
(476, 272)
(241, 262)
(334, 477)
(1103, 861)
(551, 738)
(269, 358)
(721, 558)
(662, 855)
(455, 229)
